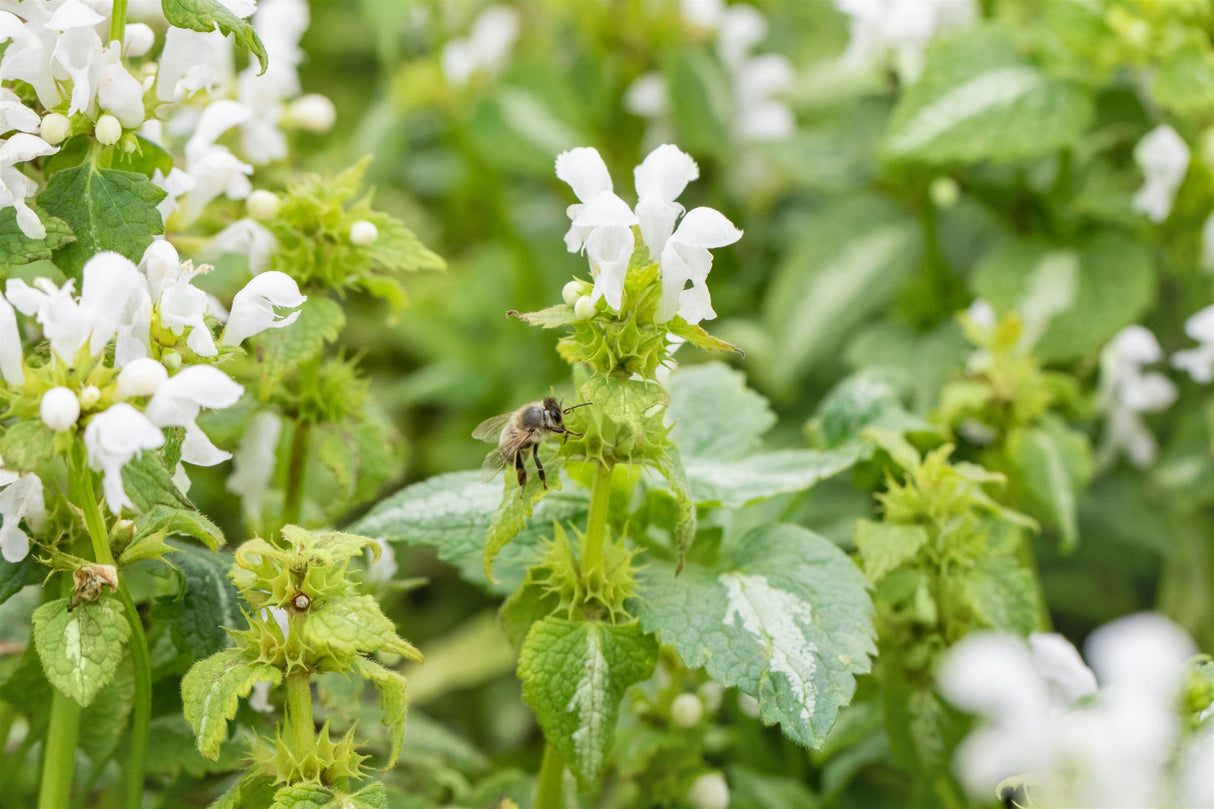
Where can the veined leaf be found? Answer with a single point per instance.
(392, 699)
(714, 414)
(731, 484)
(80, 649)
(206, 604)
(211, 692)
(1054, 464)
(17, 248)
(786, 618)
(884, 547)
(207, 15)
(574, 675)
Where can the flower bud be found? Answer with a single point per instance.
(709, 791)
(89, 396)
(59, 409)
(137, 40)
(129, 143)
(686, 711)
(944, 192)
(584, 309)
(571, 292)
(312, 113)
(171, 361)
(711, 694)
(55, 128)
(140, 377)
(262, 204)
(363, 233)
(748, 705)
(108, 130)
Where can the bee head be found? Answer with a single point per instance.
(554, 416)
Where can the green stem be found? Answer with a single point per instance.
(549, 793)
(949, 799)
(118, 21)
(301, 728)
(297, 463)
(6, 724)
(84, 497)
(59, 756)
(596, 525)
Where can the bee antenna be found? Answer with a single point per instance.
(576, 406)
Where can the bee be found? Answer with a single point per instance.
(516, 431)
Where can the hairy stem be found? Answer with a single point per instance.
(300, 727)
(549, 792)
(59, 756)
(297, 463)
(596, 525)
(6, 724)
(85, 498)
(118, 21)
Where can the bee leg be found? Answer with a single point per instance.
(539, 467)
(522, 473)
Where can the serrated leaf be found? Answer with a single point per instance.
(1054, 463)
(393, 701)
(106, 209)
(207, 15)
(148, 482)
(207, 605)
(861, 252)
(15, 575)
(977, 99)
(16, 248)
(574, 675)
(1004, 596)
(250, 791)
(884, 547)
(211, 692)
(683, 528)
(103, 721)
(513, 511)
(862, 401)
(698, 337)
(348, 626)
(302, 796)
(785, 617)
(453, 512)
(80, 649)
(1113, 287)
(714, 414)
(320, 321)
(551, 318)
(26, 445)
(732, 484)
(624, 401)
(166, 520)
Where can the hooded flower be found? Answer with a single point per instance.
(1127, 391)
(485, 49)
(884, 31)
(178, 401)
(660, 179)
(254, 309)
(113, 438)
(1198, 362)
(20, 499)
(1164, 159)
(15, 187)
(686, 258)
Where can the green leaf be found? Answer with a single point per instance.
(207, 15)
(701, 102)
(15, 575)
(714, 414)
(104, 720)
(302, 796)
(884, 547)
(453, 512)
(26, 445)
(149, 483)
(348, 626)
(206, 604)
(80, 649)
(320, 321)
(861, 401)
(161, 520)
(145, 159)
(553, 317)
(574, 675)
(1004, 596)
(250, 792)
(1054, 463)
(106, 209)
(684, 523)
(749, 789)
(16, 248)
(732, 484)
(977, 99)
(698, 337)
(1185, 79)
(624, 401)
(1114, 285)
(861, 252)
(393, 701)
(211, 692)
(785, 617)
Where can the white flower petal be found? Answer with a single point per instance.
(253, 308)
(585, 172)
(113, 438)
(178, 400)
(706, 227)
(664, 173)
(11, 356)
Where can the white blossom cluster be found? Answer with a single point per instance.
(896, 32)
(602, 225)
(1108, 737)
(122, 408)
(486, 48)
(1127, 391)
(757, 81)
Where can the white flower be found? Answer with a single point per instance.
(140, 377)
(686, 258)
(15, 186)
(660, 179)
(20, 499)
(254, 461)
(757, 80)
(15, 115)
(486, 48)
(254, 307)
(113, 438)
(214, 168)
(1127, 391)
(193, 61)
(892, 30)
(174, 184)
(1075, 745)
(601, 223)
(118, 92)
(244, 237)
(180, 304)
(178, 401)
(1198, 362)
(59, 409)
(1164, 159)
(11, 357)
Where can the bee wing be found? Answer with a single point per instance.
(490, 429)
(504, 454)
(494, 463)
